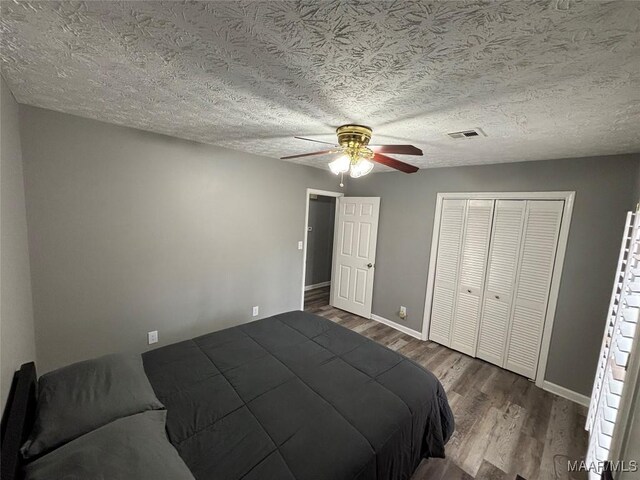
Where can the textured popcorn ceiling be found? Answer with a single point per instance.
(543, 79)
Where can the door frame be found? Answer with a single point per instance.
(324, 193)
(569, 199)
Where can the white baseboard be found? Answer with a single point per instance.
(566, 393)
(397, 326)
(317, 285)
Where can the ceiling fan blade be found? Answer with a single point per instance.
(393, 163)
(401, 149)
(321, 152)
(312, 140)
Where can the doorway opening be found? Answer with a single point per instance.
(318, 247)
(319, 254)
(351, 268)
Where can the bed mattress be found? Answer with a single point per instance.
(296, 396)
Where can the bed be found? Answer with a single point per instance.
(296, 396)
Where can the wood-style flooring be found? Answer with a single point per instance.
(505, 425)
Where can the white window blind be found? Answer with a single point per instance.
(617, 347)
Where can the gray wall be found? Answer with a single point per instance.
(131, 231)
(16, 314)
(322, 213)
(605, 189)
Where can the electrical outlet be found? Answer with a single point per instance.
(256, 310)
(403, 312)
(300, 245)
(152, 337)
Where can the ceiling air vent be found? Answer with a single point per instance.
(476, 132)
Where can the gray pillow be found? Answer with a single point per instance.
(81, 397)
(134, 447)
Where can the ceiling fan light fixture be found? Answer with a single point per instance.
(358, 157)
(361, 168)
(340, 165)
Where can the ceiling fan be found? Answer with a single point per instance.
(357, 155)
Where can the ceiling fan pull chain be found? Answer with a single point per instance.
(341, 179)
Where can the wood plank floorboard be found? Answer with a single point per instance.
(505, 425)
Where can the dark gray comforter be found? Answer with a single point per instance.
(296, 396)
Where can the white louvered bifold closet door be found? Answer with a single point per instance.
(537, 258)
(618, 343)
(495, 261)
(508, 220)
(475, 247)
(447, 266)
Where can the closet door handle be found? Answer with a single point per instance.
(497, 297)
(468, 290)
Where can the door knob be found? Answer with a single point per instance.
(369, 265)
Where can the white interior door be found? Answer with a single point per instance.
(355, 238)
(475, 247)
(537, 258)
